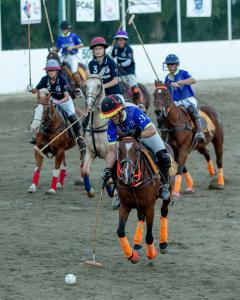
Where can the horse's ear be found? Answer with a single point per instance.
(158, 82)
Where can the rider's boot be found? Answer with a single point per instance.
(164, 164)
(33, 140)
(138, 97)
(76, 128)
(194, 114)
(79, 84)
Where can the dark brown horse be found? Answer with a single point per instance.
(138, 187)
(51, 125)
(181, 138)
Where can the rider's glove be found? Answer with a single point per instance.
(107, 174)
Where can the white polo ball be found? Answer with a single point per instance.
(70, 279)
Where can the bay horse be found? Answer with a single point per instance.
(95, 133)
(181, 137)
(138, 187)
(51, 125)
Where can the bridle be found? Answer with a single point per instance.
(165, 109)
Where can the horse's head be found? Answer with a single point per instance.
(94, 89)
(162, 99)
(129, 153)
(53, 55)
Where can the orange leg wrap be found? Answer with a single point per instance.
(177, 185)
(126, 248)
(189, 181)
(163, 230)
(211, 169)
(151, 251)
(220, 179)
(139, 233)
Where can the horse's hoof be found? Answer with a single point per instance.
(32, 188)
(189, 191)
(163, 248)
(51, 192)
(138, 248)
(151, 252)
(115, 203)
(59, 186)
(91, 193)
(215, 186)
(176, 195)
(135, 258)
(79, 181)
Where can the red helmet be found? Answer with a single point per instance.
(98, 41)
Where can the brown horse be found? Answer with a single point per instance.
(51, 125)
(181, 138)
(138, 187)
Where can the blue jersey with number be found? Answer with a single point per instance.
(182, 92)
(65, 41)
(124, 59)
(134, 117)
(109, 73)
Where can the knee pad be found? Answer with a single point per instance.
(192, 110)
(164, 158)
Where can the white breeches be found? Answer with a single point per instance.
(72, 60)
(130, 79)
(67, 106)
(186, 102)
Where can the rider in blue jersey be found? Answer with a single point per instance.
(70, 42)
(123, 53)
(179, 83)
(124, 117)
(101, 60)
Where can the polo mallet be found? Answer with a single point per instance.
(48, 22)
(40, 151)
(29, 87)
(93, 262)
(131, 22)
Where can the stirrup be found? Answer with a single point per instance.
(200, 137)
(81, 143)
(78, 92)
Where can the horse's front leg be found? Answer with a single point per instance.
(139, 231)
(55, 173)
(189, 181)
(181, 160)
(86, 171)
(36, 175)
(163, 232)
(151, 251)
(130, 254)
(62, 174)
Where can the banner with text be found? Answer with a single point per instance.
(144, 6)
(199, 8)
(85, 11)
(110, 10)
(30, 11)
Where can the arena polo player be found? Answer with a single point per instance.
(181, 136)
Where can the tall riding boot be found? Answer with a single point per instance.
(164, 164)
(76, 128)
(79, 83)
(194, 114)
(138, 97)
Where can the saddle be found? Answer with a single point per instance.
(207, 123)
(81, 70)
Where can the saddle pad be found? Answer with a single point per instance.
(207, 123)
(150, 160)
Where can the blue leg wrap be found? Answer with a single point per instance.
(109, 190)
(87, 183)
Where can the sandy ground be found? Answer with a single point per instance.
(43, 238)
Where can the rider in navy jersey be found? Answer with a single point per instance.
(124, 117)
(179, 83)
(100, 61)
(59, 89)
(123, 54)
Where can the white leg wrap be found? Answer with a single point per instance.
(55, 173)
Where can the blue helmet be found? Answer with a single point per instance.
(171, 59)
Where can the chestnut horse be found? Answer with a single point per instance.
(181, 137)
(51, 125)
(138, 187)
